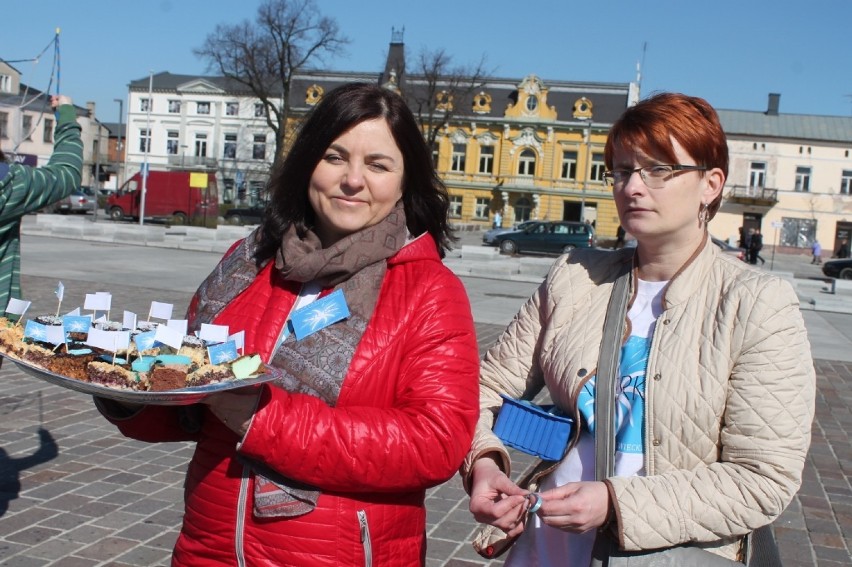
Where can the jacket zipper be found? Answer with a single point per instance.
(365, 538)
(240, 527)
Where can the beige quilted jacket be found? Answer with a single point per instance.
(729, 394)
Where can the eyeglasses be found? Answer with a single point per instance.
(654, 176)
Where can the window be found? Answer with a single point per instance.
(757, 175)
(486, 159)
(27, 127)
(846, 182)
(455, 206)
(803, 179)
(230, 146)
(435, 154)
(201, 145)
(144, 104)
(523, 208)
(172, 142)
(569, 165)
(482, 206)
(232, 109)
(174, 107)
(144, 140)
(258, 150)
(598, 168)
(797, 233)
(4, 126)
(526, 163)
(48, 130)
(259, 110)
(6, 83)
(459, 151)
(532, 103)
(202, 108)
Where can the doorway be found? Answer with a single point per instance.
(750, 220)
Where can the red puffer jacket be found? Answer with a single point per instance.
(403, 422)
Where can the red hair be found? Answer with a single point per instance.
(650, 125)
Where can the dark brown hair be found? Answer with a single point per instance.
(424, 196)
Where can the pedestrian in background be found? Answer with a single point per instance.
(756, 245)
(329, 466)
(816, 251)
(26, 189)
(714, 414)
(842, 249)
(498, 220)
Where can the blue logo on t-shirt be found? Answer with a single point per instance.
(630, 401)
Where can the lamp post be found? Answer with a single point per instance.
(147, 164)
(587, 141)
(118, 148)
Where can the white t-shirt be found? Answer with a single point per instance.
(544, 546)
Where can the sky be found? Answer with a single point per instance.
(731, 52)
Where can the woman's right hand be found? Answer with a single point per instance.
(495, 499)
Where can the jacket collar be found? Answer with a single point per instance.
(691, 276)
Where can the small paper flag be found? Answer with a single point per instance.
(17, 306)
(213, 333)
(179, 325)
(112, 341)
(222, 353)
(168, 336)
(129, 320)
(77, 323)
(144, 341)
(239, 339)
(161, 310)
(60, 292)
(53, 334)
(97, 301)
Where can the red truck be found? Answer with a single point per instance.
(184, 197)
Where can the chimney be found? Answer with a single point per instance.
(90, 107)
(774, 102)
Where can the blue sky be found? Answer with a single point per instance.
(733, 53)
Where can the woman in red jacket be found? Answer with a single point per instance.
(329, 465)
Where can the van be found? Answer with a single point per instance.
(182, 197)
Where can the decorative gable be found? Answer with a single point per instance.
(199, 86)
(532, 101)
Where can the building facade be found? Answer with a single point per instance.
(27, 125)
(790, 177)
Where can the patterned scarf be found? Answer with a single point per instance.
(317, 364)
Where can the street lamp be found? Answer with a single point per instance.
(587, 141)
(118, 157)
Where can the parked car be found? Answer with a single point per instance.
(726, 248)
(489, 238)
(245, 215)
(840, 269)
(81, 201)
(547, 237)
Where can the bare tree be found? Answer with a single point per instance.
(286, 37)
(436, 89)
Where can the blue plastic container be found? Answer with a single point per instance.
(530, 428)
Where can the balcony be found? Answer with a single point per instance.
(193, 162)
(758, 196)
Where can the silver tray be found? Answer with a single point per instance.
(182, 397)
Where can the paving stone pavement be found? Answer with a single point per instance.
(74, 493)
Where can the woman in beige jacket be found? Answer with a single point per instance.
(716, 395)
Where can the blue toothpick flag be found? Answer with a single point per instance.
(144, 341)
(319, 314)
(77, 323)
(222, 353)
(53, 334)
(60, 292)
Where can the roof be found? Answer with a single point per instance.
(789, 126)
